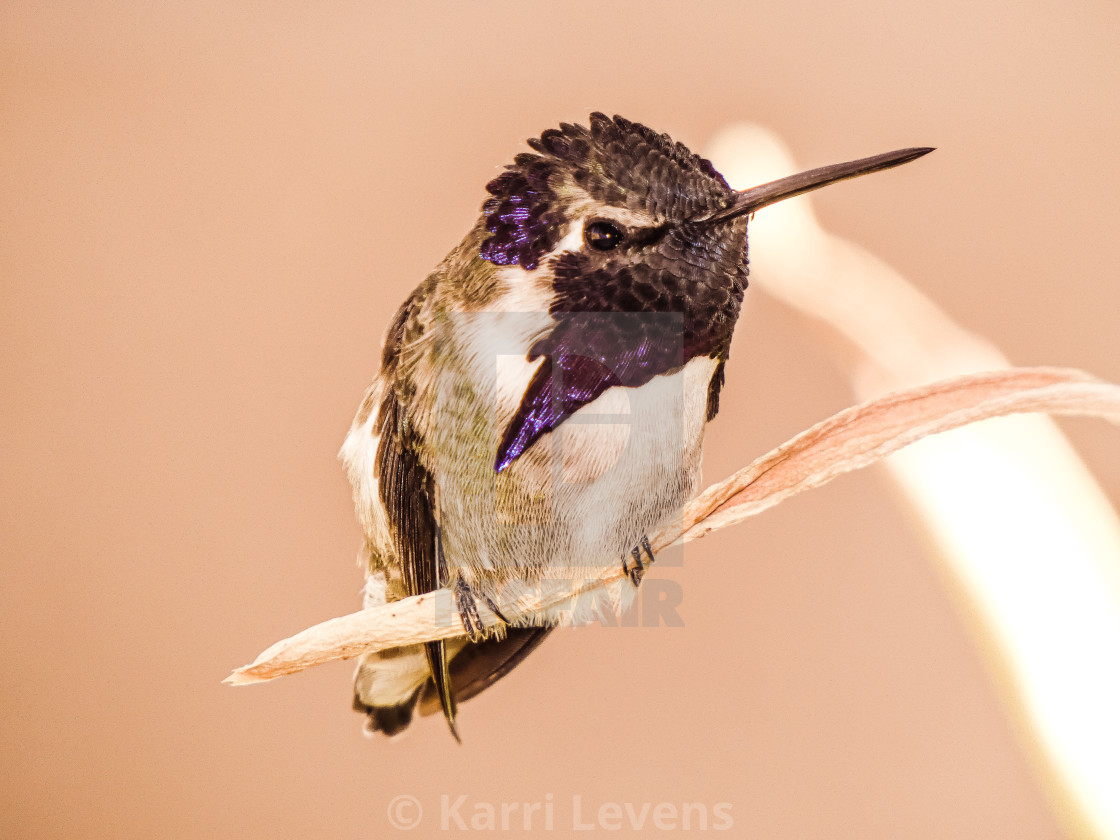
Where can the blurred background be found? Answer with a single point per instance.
(209, 212)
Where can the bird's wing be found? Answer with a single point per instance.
(407, 490)
(478, 666)
(409, 494)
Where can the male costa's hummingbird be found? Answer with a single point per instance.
(543, 394)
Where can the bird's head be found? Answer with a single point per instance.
(629, 220)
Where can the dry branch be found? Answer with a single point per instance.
(847, 441)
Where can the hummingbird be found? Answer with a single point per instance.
(542, 395)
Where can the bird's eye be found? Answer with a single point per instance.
(602, 236)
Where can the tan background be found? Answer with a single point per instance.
(210, 211)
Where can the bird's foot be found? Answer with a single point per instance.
(634, 566)
(467, 603)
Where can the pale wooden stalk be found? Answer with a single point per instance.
(852, 439)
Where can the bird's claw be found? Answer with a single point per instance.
(634, 566)
(467, 603)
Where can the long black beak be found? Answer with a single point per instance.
(750, 200)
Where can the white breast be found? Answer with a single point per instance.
(626, 463)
